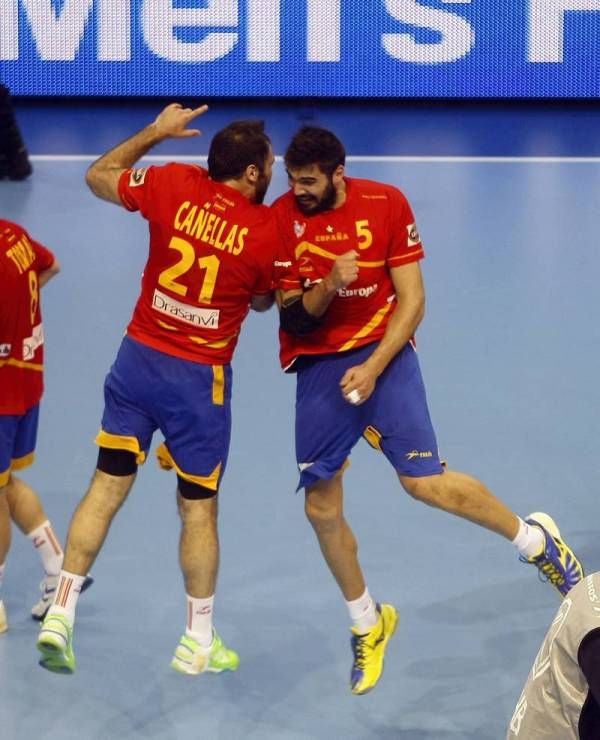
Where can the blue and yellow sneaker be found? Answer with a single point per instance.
(191, 658)
(369, 650)
(55, 643)
(557, 563)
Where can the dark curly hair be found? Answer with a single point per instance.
(314, 145)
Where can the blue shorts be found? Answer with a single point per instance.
(189, 402)
(395, 419)
(18, 435)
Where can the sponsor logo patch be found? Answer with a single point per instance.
(415, 453)
(137, 177)
(413, 235)
(5, 349)
(299, 228)
(203, 318)
(360, 292)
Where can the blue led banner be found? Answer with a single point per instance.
(358, 48)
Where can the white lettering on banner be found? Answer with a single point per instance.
(58, 29)
(323, 30)
(114, 23)
(546, 27)
(5, 348)
(160, 18)
(9, 31)
(457, 35)
(205, 318)
(57, 36)
(264, 31)
(33, 342)
(324, 22)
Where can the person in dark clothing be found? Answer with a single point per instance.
(14, 160)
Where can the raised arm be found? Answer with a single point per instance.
(103, 175)
(302, 311)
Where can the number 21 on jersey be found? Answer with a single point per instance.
(186, 262)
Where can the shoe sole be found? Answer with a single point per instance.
(182, 668)
(386, 639)
(55, 659)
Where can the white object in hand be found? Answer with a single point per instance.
(354, 396)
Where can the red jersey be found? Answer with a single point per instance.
(377, 222)
(211, 250)
(21, 333)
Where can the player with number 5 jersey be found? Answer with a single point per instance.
(210, 259)
(352, 296)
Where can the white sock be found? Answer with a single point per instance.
(199, 621)
(530, 540)
(67, 594)
(46, 543)
(363, 612)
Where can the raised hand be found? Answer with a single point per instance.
(173, 120)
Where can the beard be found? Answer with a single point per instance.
(260, 191)
(310, 205)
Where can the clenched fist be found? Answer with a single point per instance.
(344, 271)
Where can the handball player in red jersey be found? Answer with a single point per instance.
(351, 298)
(25, 266)
(210, 259)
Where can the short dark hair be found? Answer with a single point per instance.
(236, 147)
(315, 145)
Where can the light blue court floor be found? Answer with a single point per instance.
(510, 351)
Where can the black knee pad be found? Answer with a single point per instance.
(116, 462)
(193, 491)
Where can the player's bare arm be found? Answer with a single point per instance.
(301, 311)
(262, 302)
(358, 382)
(171, 123)
(48, 274)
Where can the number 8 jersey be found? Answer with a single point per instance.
(211, 250)
(22, 259)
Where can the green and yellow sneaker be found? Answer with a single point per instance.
(191, 658)
(55, 643)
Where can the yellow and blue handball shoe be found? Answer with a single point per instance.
(55, 643)
(556, 563)
(369, 650)
(191, 658)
